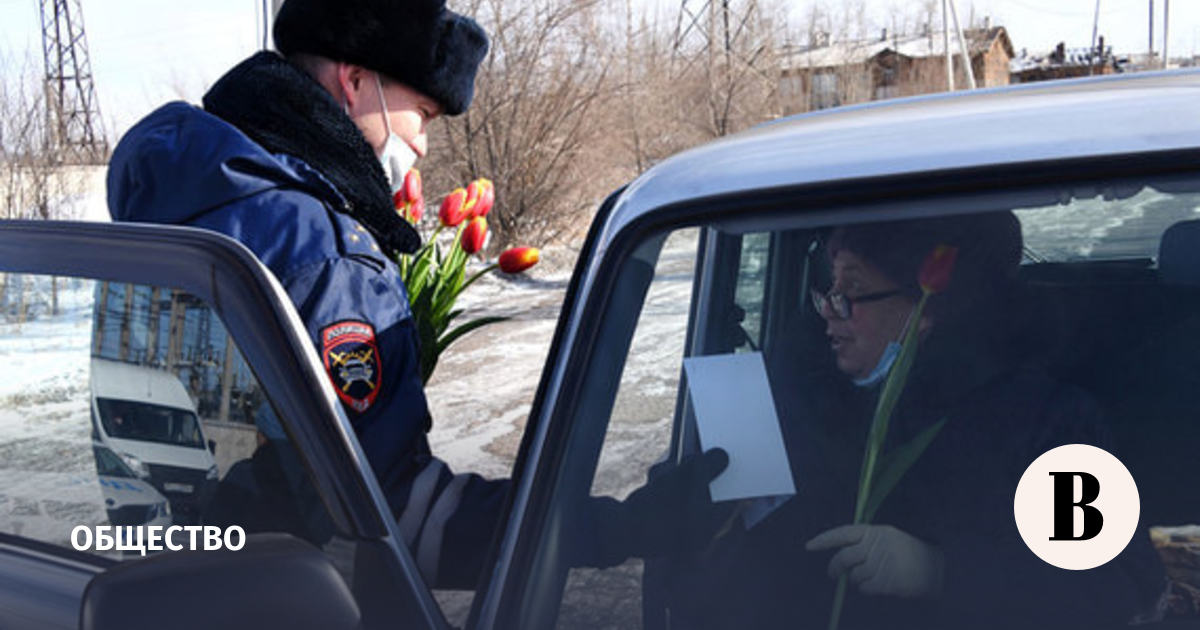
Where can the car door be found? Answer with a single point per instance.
(216, 411)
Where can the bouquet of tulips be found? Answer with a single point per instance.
(880, 473)
(435, 277)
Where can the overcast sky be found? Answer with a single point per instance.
(145, 52)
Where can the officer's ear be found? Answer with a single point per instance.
(352, 82)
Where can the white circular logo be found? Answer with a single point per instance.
(1077, 507)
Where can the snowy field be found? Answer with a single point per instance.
(48, 481)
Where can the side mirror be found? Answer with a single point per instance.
(274, 581)
(212, 447)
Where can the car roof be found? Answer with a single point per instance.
(1056, 120)
(126, 381)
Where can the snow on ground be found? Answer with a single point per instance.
(483, 388)
(46, 506)
(48, 481)
(43, 377)
(51, 352)
(482, 391)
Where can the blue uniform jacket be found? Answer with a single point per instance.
(182, 165)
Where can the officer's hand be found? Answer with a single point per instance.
(882, 560)
(673, 513)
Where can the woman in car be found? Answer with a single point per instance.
(943, 549)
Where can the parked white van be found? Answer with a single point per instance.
(146, 417)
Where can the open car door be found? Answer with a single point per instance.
(104, 328)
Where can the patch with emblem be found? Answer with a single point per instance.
(351, 358)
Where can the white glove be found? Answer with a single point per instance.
(882, 560)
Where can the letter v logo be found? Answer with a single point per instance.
(1076, 507)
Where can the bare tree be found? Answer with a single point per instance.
(533, 116)
(33, 182)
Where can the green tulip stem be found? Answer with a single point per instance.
(892, 389)
(478, 274)
(839, 598)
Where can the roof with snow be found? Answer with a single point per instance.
(978, 40)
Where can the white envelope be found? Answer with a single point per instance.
(735, 411)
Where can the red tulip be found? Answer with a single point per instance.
(474, 234)
(452, 212)
(409, 191)
(487, 197)
(412, 185)
(416, 210)
(937, 269)
(519, 259)
(403, 208)
(471, 205)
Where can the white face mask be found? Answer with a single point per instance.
(890, 353)
(397, 157)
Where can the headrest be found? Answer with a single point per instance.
(1179, 254)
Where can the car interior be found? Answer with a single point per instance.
(1112, 313)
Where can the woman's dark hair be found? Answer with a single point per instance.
(989, 255)
(981, 317)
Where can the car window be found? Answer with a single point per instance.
(127, 405)
(129, 420)
(751, 285)
(1029, 347)
(1118, 223)
(640, 429)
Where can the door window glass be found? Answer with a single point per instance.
(128, 405)
(640, 430)
(751, 285)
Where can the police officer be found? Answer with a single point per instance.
(296, 154)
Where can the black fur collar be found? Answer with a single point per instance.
(286, 111)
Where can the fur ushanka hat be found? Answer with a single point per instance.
(420, 43)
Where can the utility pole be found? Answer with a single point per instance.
(1150, 51)
(1166, 29)
(73, 123)
(264, 17)
(962, 47)
(946, 46)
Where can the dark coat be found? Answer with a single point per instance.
(295, 182)
(958, 496)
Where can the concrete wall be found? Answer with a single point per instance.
(992, 68)
(235, 442)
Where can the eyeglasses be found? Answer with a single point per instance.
(842, 306)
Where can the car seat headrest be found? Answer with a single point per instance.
(1179, 254)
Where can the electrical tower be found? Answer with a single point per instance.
(73, 126)
(708, 28)
(726, 50)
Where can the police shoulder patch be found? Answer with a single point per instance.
(351, 357)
